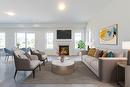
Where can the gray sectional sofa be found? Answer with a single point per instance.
(92, 63)
(103, 67)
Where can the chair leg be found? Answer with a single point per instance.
(40, 67)
(15, 73)
(13, 58)
(7, 58)
(44, 62)
(33, 73)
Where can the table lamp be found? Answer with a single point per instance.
(126, 45)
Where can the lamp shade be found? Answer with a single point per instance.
(126, 45)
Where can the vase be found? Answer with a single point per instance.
(62, 58)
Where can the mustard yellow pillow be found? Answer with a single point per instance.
(91, 52)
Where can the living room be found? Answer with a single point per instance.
(59, 43)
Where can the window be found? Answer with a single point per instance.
(49, 40)
(30, 40)
(2, 40)
(20, 39)
(77, 39)
(25, 40)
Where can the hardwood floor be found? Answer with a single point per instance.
(7, 70)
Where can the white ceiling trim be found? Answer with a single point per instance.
(44, 26)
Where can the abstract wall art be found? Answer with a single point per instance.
(109, 35)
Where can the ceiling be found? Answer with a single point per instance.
(46, 11)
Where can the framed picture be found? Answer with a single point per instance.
(109, 35)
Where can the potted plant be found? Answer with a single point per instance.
(81, 46)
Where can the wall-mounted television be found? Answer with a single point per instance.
(63, 34)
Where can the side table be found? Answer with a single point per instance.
(121, 73)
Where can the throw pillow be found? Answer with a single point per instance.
(110, 54)
(105, 54)
(28, 56)
(97, 53)
(18, 52)
(91, 52)
(101, 53)
(23, 56)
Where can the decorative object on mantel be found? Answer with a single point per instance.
(62, 54)
(109, 35)
(81, 46)
(126, 45)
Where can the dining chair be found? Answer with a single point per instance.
(8, 53)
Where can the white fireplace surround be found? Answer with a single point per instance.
(65, 42)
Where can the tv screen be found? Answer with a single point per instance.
(63, 34)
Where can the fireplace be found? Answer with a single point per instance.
(64, 48)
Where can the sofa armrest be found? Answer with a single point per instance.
(84, 52)
(107, 68)
(41, 52)
(113, 58)
(38, 55)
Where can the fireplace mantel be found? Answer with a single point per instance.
(64, 43)
(63, 40)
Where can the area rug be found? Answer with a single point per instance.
(82, 75)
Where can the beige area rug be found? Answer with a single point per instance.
(82, 75)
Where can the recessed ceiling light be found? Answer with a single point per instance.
(10, 13)
(61, 6)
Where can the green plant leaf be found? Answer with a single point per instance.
(81, 44)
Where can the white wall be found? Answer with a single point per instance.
(118, 12)
(40, 35)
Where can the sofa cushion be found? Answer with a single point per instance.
(101, 53)
(23, 56)
(95, 65)
(89, 59)
(34, 63)
(33, 57)
(92, 63)
(44, 56)
(110, 54)
(19, 52)
(105, 54)
(28, 55)
(97, 53)
(91, 52)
